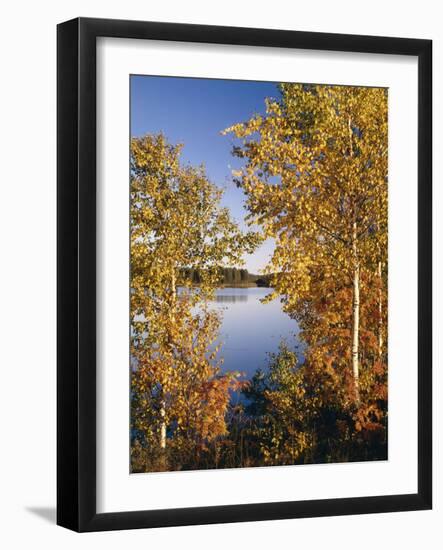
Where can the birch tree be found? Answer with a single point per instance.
(315, 179)
(177, 224)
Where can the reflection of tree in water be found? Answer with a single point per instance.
(231, 298)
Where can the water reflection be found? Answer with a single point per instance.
(231, 298)
(251, 330)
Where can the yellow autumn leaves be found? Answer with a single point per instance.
(179, 398)
(314, 171)
(315, 178)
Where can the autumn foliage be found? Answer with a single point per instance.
(179, 398)
(314, 174)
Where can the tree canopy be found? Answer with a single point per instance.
(315, 178)
(179, 396)
(314, 171)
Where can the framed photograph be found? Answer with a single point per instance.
(244, 274)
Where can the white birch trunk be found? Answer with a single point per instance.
(380, 312)
(355, 315)
(163, 403)
(162, 425)
(356, 294)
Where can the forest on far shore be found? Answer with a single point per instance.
(230, 277)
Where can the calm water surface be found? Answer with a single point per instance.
(251, 329)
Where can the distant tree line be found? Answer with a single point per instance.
(228, 276)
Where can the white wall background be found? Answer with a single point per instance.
(27, 273)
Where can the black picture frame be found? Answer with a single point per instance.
(76, 274)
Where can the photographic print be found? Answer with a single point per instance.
(258, 274)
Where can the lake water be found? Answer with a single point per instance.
(250, 329)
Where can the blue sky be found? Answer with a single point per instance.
(193, 112)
